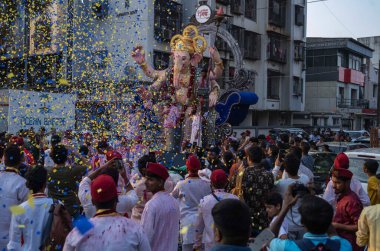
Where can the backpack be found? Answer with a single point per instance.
(308, 245)
(58, 226)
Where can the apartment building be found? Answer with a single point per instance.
(337, 80)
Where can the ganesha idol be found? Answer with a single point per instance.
(178, 84)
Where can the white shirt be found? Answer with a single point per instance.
(293, 216)
(30, 225)
(12, 193)
(110, 233)
(284, 226)
(204, 232)
(48, 162)
(160, 221)
(126, 201)
(189, 192)
(355, 185)
(302, 170)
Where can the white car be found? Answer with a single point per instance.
(357, 159)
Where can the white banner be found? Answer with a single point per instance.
(36, 109)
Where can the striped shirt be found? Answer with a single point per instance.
(160, 221)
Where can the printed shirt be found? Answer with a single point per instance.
(30, 224)
(189, 192)
(355, 185)
(111, 233)
(204, 232)
(289, 245)
(12, 193)
(160, 221)
(256, 184)
(348, 209)
(369, 228)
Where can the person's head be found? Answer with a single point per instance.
(15, 140)
(254, 155)
(143, 161)
(291, 164)
(305, 147)
(219, 179)
(254, 141)
(83, 150)
(156, 175)
(273, 204)
(36, 179)
(104, 192)
(12, 156)
(316, 214)
(59, 154)
(112, 172)
(284, 138)
(341, 180)
(240, 154)
(296, 150)
(272, 150)
(55, 140)
(213, 154)
(228, 158)
(232, 222)
(313, 146)
(102, 146)
(341, 161)
(193, 165)
(370, 167)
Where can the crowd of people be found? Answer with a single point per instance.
(92, 192)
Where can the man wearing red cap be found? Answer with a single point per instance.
(110, 231)
(190, 192)
(348, 207)
(342, 161)
(204, 233)
(160, 218)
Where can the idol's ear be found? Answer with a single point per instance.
(195, 59)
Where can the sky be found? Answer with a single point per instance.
(343, 18)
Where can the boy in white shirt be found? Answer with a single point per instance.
(273, 205)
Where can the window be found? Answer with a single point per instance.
(325, 121)
(315, 121)
(161, 60)
(273, 85)
(251, 9)
(341, 93)
(336, 121)
(252, 42)
(354, 94)
(374, 94)
(42, 34)
(276, 48)
(276, 11)
(299, 50)
(167, 19)
(238, 33)
(299, 16)
(354, 62)
(297, 86)
(237, 7)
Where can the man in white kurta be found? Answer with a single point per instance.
(189, 192)
(110, 231)
(160, 218)
(30, 225)
(12, 191)
(204, 233)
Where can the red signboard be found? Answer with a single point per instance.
(369, 111)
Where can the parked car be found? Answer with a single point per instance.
(354, 134)
(363, 140)
(289, 131)
(357, 159)
(323, 161)
(338, 147)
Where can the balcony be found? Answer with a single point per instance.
(347, 75)
(352, 103)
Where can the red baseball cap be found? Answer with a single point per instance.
(341, 161)
(193, 164)
(219, 178)
(158, 170)
(110, 155)
(103, 189)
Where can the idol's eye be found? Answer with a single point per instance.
(184, 58)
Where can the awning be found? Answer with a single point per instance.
(234, 106)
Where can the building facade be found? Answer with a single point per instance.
(337, 84)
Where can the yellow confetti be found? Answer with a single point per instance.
(17, 210)
(63, 81)
(184, 230)
(31, 201)
(10, 75)
(21, 226)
